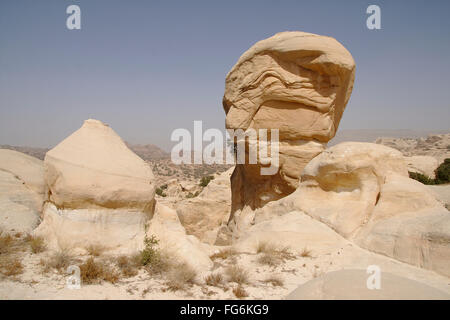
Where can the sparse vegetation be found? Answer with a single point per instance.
(421, 178)
(37, 244)
(95, 250)
(240, 292)
(59, 261)
(272, 255)
(96, 271)
(237, 274)
(306, 253)
(180, 276)
(10, 266)
(160, 192)
(6, 243)
(128, 265)
(223, 254)
(214, 280)
(150, 253)
(442, 174)
(204, 181)
(275, 281)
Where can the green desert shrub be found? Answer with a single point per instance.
(160, 192)
(204, 181)
(421, 178)
(443, 172)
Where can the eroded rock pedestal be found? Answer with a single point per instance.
(298, 83)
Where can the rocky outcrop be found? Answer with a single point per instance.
(203, 215)
(22, 190)
(297, 83)
(100, 192)
(352, 285)
(425, 165)
(363, 192)
(25, 168)
(173, 239)
(93, 168)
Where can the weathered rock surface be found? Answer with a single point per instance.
(172, 237)
(294, 230)
(363, 192)
(93, 168)
(203, 215)
(100, 192)
(22, 190)
(422, 164)
(341, 186)
(20, 207)
(298, 83)
(27, 169)
(352, 285)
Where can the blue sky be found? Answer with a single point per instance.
(148, 67)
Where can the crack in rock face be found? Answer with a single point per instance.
(298, 83)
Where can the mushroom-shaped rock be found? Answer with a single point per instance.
(297, 83)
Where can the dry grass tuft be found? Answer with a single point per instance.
(214, 280)
(6, 243)
(59, 261)
(95, 250)
(237, 274)
(95, 271)
(265, 247)
(272, 254)
(129, 265)
(306, 253)
(180, 276)
(240, 292)
(275, 281)
(37, 244)
(223, 254)
(10, 266)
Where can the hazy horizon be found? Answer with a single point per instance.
(147, 68)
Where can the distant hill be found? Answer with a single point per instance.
(34, 152)
(147, 152)
(370, 135)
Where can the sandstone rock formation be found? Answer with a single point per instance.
(27, 169)
(100, 192)
(352, 285)
(172, 237)
(425, 165)
(203, 215)
(298, 83)
(22, 191)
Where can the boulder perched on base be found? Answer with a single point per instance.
(100, 192)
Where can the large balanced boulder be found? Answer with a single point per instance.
(22, 190)
(297, 83)
(100, 192)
